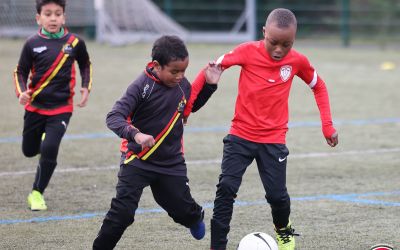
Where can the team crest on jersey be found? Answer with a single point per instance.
(181, 106)
(67, 49)
(285, 72)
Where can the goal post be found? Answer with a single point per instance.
(129, 21)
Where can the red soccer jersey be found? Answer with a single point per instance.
(261, 111)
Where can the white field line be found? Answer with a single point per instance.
(218, 161)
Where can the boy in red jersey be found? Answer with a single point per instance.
(259, 125)
(49, 57)
(149, 118)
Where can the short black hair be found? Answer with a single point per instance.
(40, 3)
(167, 49)
(283, 18)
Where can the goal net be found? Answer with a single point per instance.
(17, 18)
(128, 21)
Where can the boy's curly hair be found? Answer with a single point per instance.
(40, 3)
(167, 49)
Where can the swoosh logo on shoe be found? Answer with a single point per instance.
(281, 159)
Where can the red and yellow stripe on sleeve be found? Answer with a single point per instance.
(18, 83)
(90, 76)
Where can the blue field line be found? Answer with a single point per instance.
(99, 135)
(354, 198)
(349, 198)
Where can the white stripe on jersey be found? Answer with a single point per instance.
(219, 60)
(314, 80)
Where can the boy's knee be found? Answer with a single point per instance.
(278, 199)
(120, 215)
(28, 152)
(227, 188)
(50, 150)
(124, 218)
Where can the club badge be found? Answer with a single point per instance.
(181, 106)
(285, 72)
(67, 49)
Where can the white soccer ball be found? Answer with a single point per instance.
(257, 241)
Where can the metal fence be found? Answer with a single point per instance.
(347, 21)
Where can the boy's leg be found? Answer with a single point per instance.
(34, 125)
(33, 143)
(172, 193)
(271, 163)
(237, 156)
(131, 182)
(55, 129)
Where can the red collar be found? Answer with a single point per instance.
(149, 72)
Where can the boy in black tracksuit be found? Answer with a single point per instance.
(150, 117)
(47, 60)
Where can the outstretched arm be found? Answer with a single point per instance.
(212, 74)
(203, 87)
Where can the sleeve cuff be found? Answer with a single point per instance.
(211, 86)
(133, 131)
(328, 131)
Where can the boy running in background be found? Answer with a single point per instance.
(48, 59)
(150, 117)
(259, 126)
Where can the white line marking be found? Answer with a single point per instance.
(62, 170)
(218, 161)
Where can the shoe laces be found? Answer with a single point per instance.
(37, 197)
(285, 234)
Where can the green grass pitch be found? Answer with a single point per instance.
(364, 100)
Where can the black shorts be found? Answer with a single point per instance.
(43, 133)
